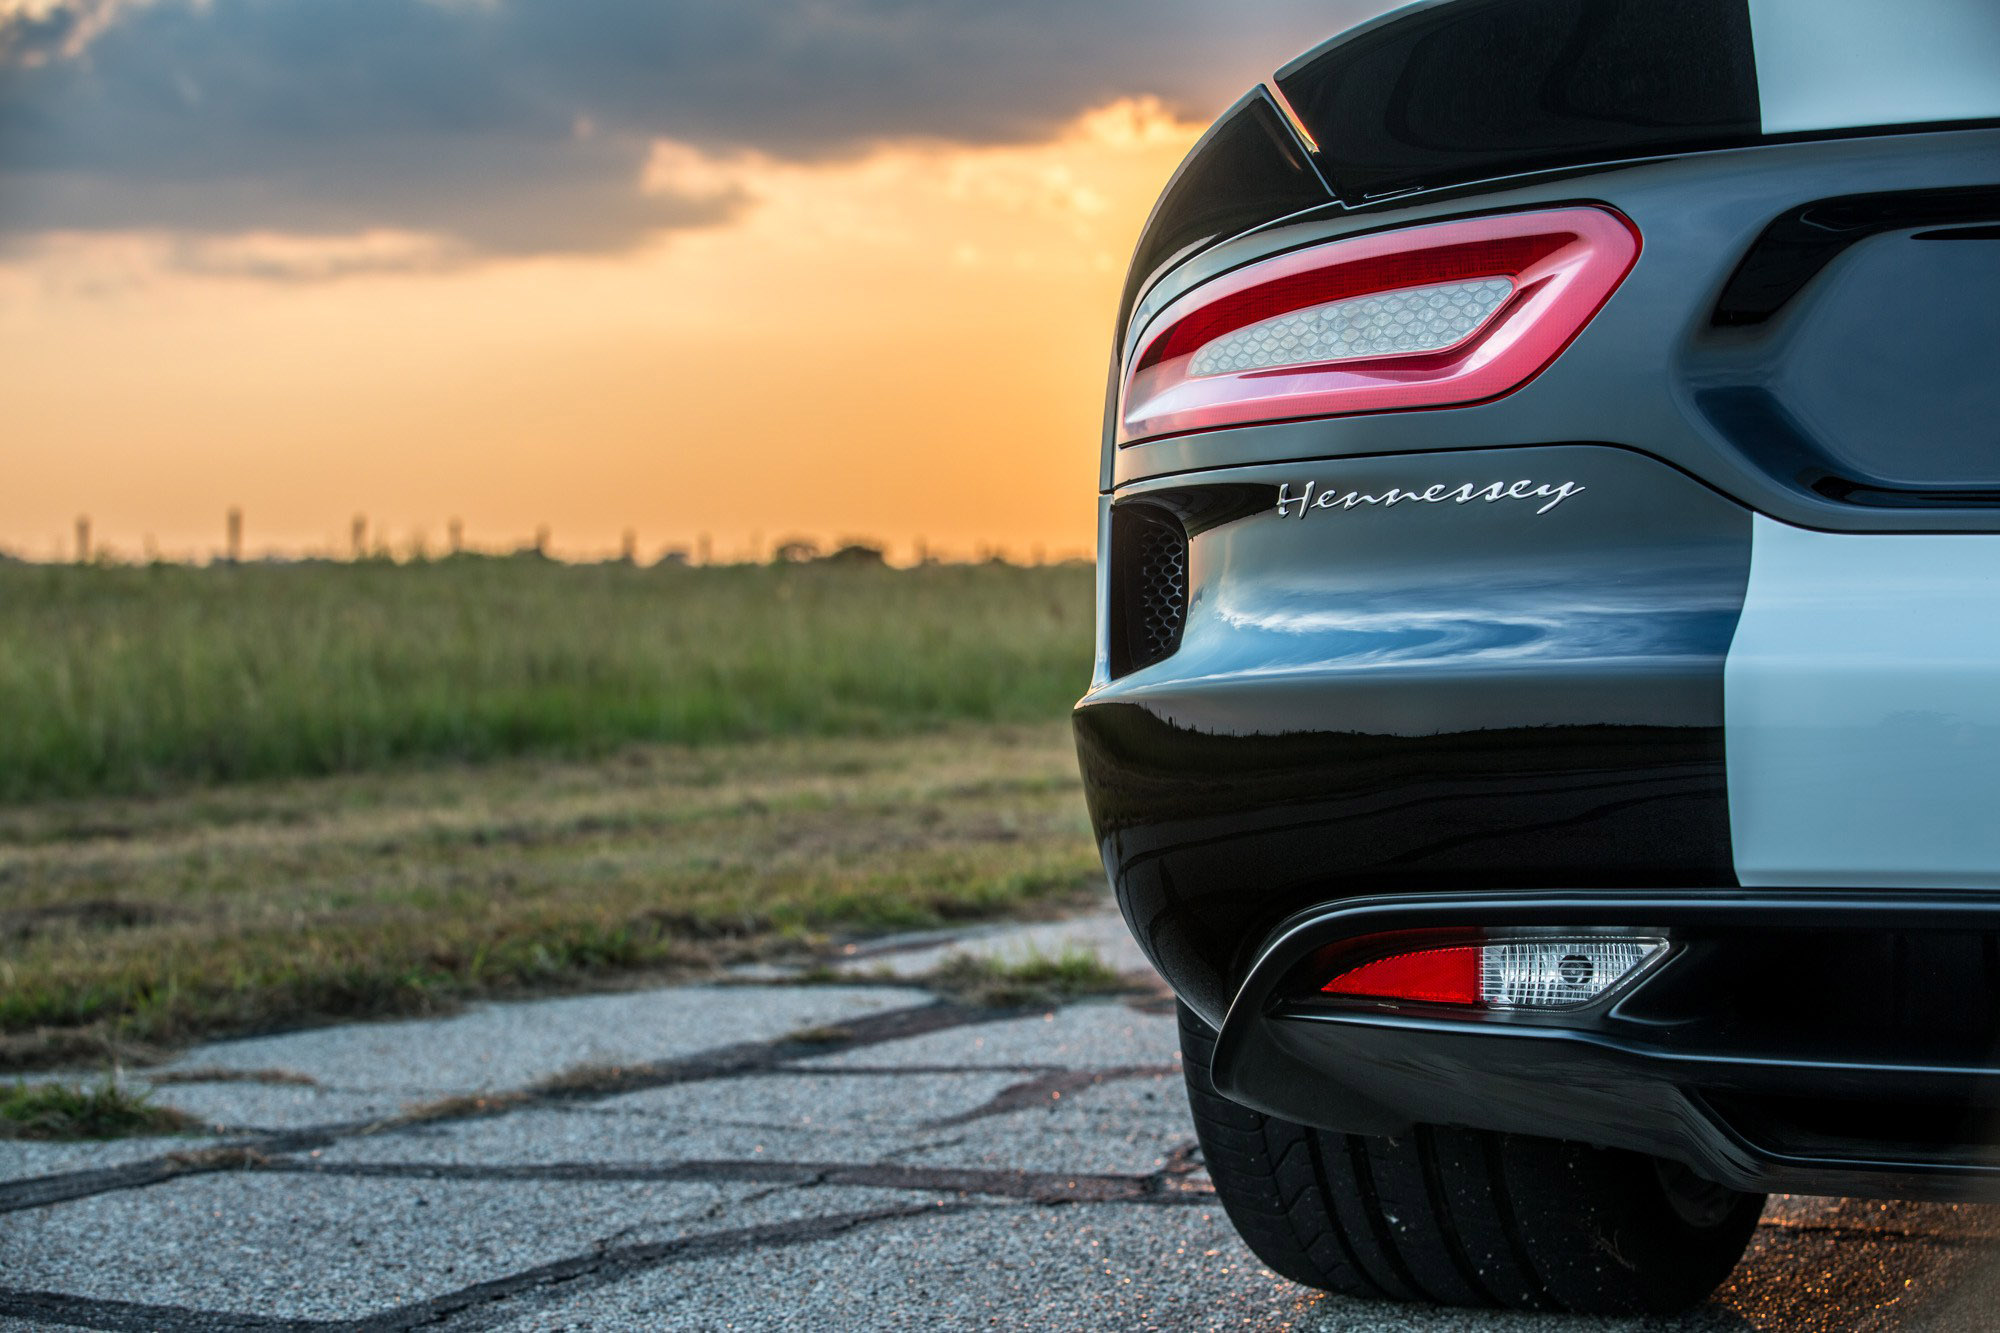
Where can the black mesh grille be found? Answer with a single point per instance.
(1149, 586)
(1161, 582)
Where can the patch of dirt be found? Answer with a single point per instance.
(274, 1077)
(25, 923)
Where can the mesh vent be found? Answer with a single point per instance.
(1150, 585)
(1161, 583)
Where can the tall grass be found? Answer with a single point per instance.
(131, 679)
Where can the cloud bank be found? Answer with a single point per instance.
(500, 127)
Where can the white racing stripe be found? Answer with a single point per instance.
(1862, 703)
(1839, 64)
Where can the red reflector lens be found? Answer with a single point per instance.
(1436, 976)
(1433, 316)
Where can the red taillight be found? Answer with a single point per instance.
(1435, 976)
(1434, 316)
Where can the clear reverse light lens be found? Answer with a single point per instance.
(1558, 974)
(1415, 319)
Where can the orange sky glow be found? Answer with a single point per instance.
(906, 345)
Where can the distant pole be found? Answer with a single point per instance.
(923, 552)
(456, 529)
(703, 550)
(359, 536)
(83, 539)
(629, 552)
(151, 546)
(756, 547)
(542, 540)
(235, 525)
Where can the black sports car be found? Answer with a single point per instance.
(1546, 724)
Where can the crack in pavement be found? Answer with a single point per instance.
(1041, 1187)
(51, 1307)
(1049, 1088)
(887, 1071)
(610, 1259)
(468, 1307)
(472, 1307)
(789, 1069)
(41, 1191)
(742, 1059)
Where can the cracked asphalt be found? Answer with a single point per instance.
(767, 1155)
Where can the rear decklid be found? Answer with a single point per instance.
(1452, 92)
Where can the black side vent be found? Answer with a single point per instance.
(1149, 586)
(1797, 245)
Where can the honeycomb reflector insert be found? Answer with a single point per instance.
(1397, 323)
(1558, 973)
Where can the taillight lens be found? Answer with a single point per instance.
(1433, 316)
(1497, 970)
(1433, 976)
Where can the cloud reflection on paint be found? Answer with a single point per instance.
(1310, 628)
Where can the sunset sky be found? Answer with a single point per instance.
(750, 268)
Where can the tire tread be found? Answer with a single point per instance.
(1451, 1216)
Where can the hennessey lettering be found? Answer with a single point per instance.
(1333, 497)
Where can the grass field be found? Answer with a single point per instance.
(152, 678)
(240, 798)
(131, 925)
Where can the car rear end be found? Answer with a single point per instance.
(1550, 604)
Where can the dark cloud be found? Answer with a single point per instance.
(28, 39)
(521, 126)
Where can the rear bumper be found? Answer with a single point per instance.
(1808, 1078)
(1644, 706)
(1418, 697)
(1644, 686)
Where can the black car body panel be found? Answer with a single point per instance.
(1464, 91)
(1379, 700)
(1249, 169)
(1551, 658)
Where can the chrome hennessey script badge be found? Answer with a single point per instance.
(1332, 497)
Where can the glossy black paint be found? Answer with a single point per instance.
(1249, 169)
(1399, 699)
(1475, 90)
(1778, 1102)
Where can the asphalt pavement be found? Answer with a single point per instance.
(770, 1155)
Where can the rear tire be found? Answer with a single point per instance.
(1464, 1217)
